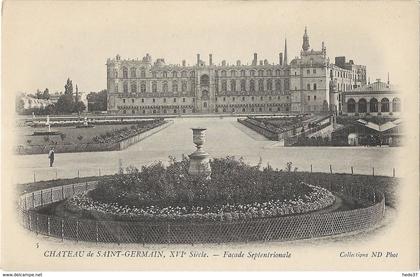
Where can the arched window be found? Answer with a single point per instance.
(308, 86)
(133, 72)
(233, 73)
(269, 72)
(175, 86)
(115, 73)
(396, 105)
(165, 74)
(314, 86)
(204, 80)
(260, 73)
(224, 85)
(142, 73)
(184, 86)
(125, 87)
(154, 87)
(242, 73)
(143, 87)
(278, 72)
(286, 84)
(133, 87)
(243, 85)
(252, 85)
(183, 74)
(125, 72)
(252, 73)
(192, 74)
(278, 85)
(223, 73)
(174, 74)
(233, 85)
(362, 105)
(373, 105)
(351, 105)
(269, 84)
(261, 85)
(165, 86)
(385, 105)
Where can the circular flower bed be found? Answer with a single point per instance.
(317, 198)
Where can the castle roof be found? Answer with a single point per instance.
(375, 87)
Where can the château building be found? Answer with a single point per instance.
(310, 83)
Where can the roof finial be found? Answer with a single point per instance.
(285, 51)
(388, 79)
(305, 44)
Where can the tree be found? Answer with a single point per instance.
(46, 94)
(79, 106)
(65, 104)
(97, 101)
(68, 87)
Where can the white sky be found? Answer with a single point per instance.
(46, 42)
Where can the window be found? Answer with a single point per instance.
(184, 86)
(124, 111)
(164, 100)
(261, 85)
(260, 73)
(125, 87)
(133, 87)
(252, 73)
(142, 100)
(144, 111)
(396, 105)
(278, 85)
(233, 73)
(243, 85)
(132, 100)
(314, 97)
(385, 105)
(314, 71)
(309, 98)
(154, 74)
(362, 105)
(175, 86)
(174, 100)
(133, 111)
(269, 84)
(252, 98)
(175, 111)
(242, 73)
(123, 100)
(308, 87)
(205, 104)
(143, 87)
(233, 98)
(153, 100)
(165, 74)
(183, 74)
(252, 85)
(308, 72)
(373, 105)
(154, 87)
(165, 86)
(142, 73)
(314, 86)
(269, 72)
(125, 72)
(115, 73)
(243, 98)
(351, 105)
(233, 85)
(269, 97)
(224, 85)
(278, 72)
(261, 98)
(174, 74)
(183, 110)
(224, 99)
(133, 72)
(192, 74)
(223, 73)
(164, 111)
(183, 100)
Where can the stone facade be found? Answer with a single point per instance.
(378, 98)
(309, 84)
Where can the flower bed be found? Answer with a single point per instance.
(318, 198)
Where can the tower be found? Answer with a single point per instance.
(305, 44)
(285, 52)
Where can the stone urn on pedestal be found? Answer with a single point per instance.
(199, 160)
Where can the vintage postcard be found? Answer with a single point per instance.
(225, 135)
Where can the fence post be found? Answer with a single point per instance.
(393, 172)
(52, 196)
(48, 226)
(34, 177)
(97, 232)
(311, 168)
(42, 200)
(330, 169)
(77, 230)
(56, 174)
(33, 200)
(62, 192)
(373, 171)
(62, 229)
(351, 170)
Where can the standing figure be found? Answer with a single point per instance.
(51, 156)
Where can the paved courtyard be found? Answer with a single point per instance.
(224, 137)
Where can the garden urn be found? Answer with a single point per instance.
(199, 160)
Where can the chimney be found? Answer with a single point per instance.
(223, 63)
(210, 59)
(255, 60)
(261, 62)
(281, 58)
(183, 62)
(198, 59)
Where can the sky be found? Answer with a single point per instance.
(44, 43)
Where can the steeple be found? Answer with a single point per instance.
(305, 45)
(285, 52)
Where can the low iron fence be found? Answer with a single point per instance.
(293, 227)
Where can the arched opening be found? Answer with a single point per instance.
(373, 105)
(205, 80)
(396, 105)
(351, 105)
(362, 105)
(385, 105)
